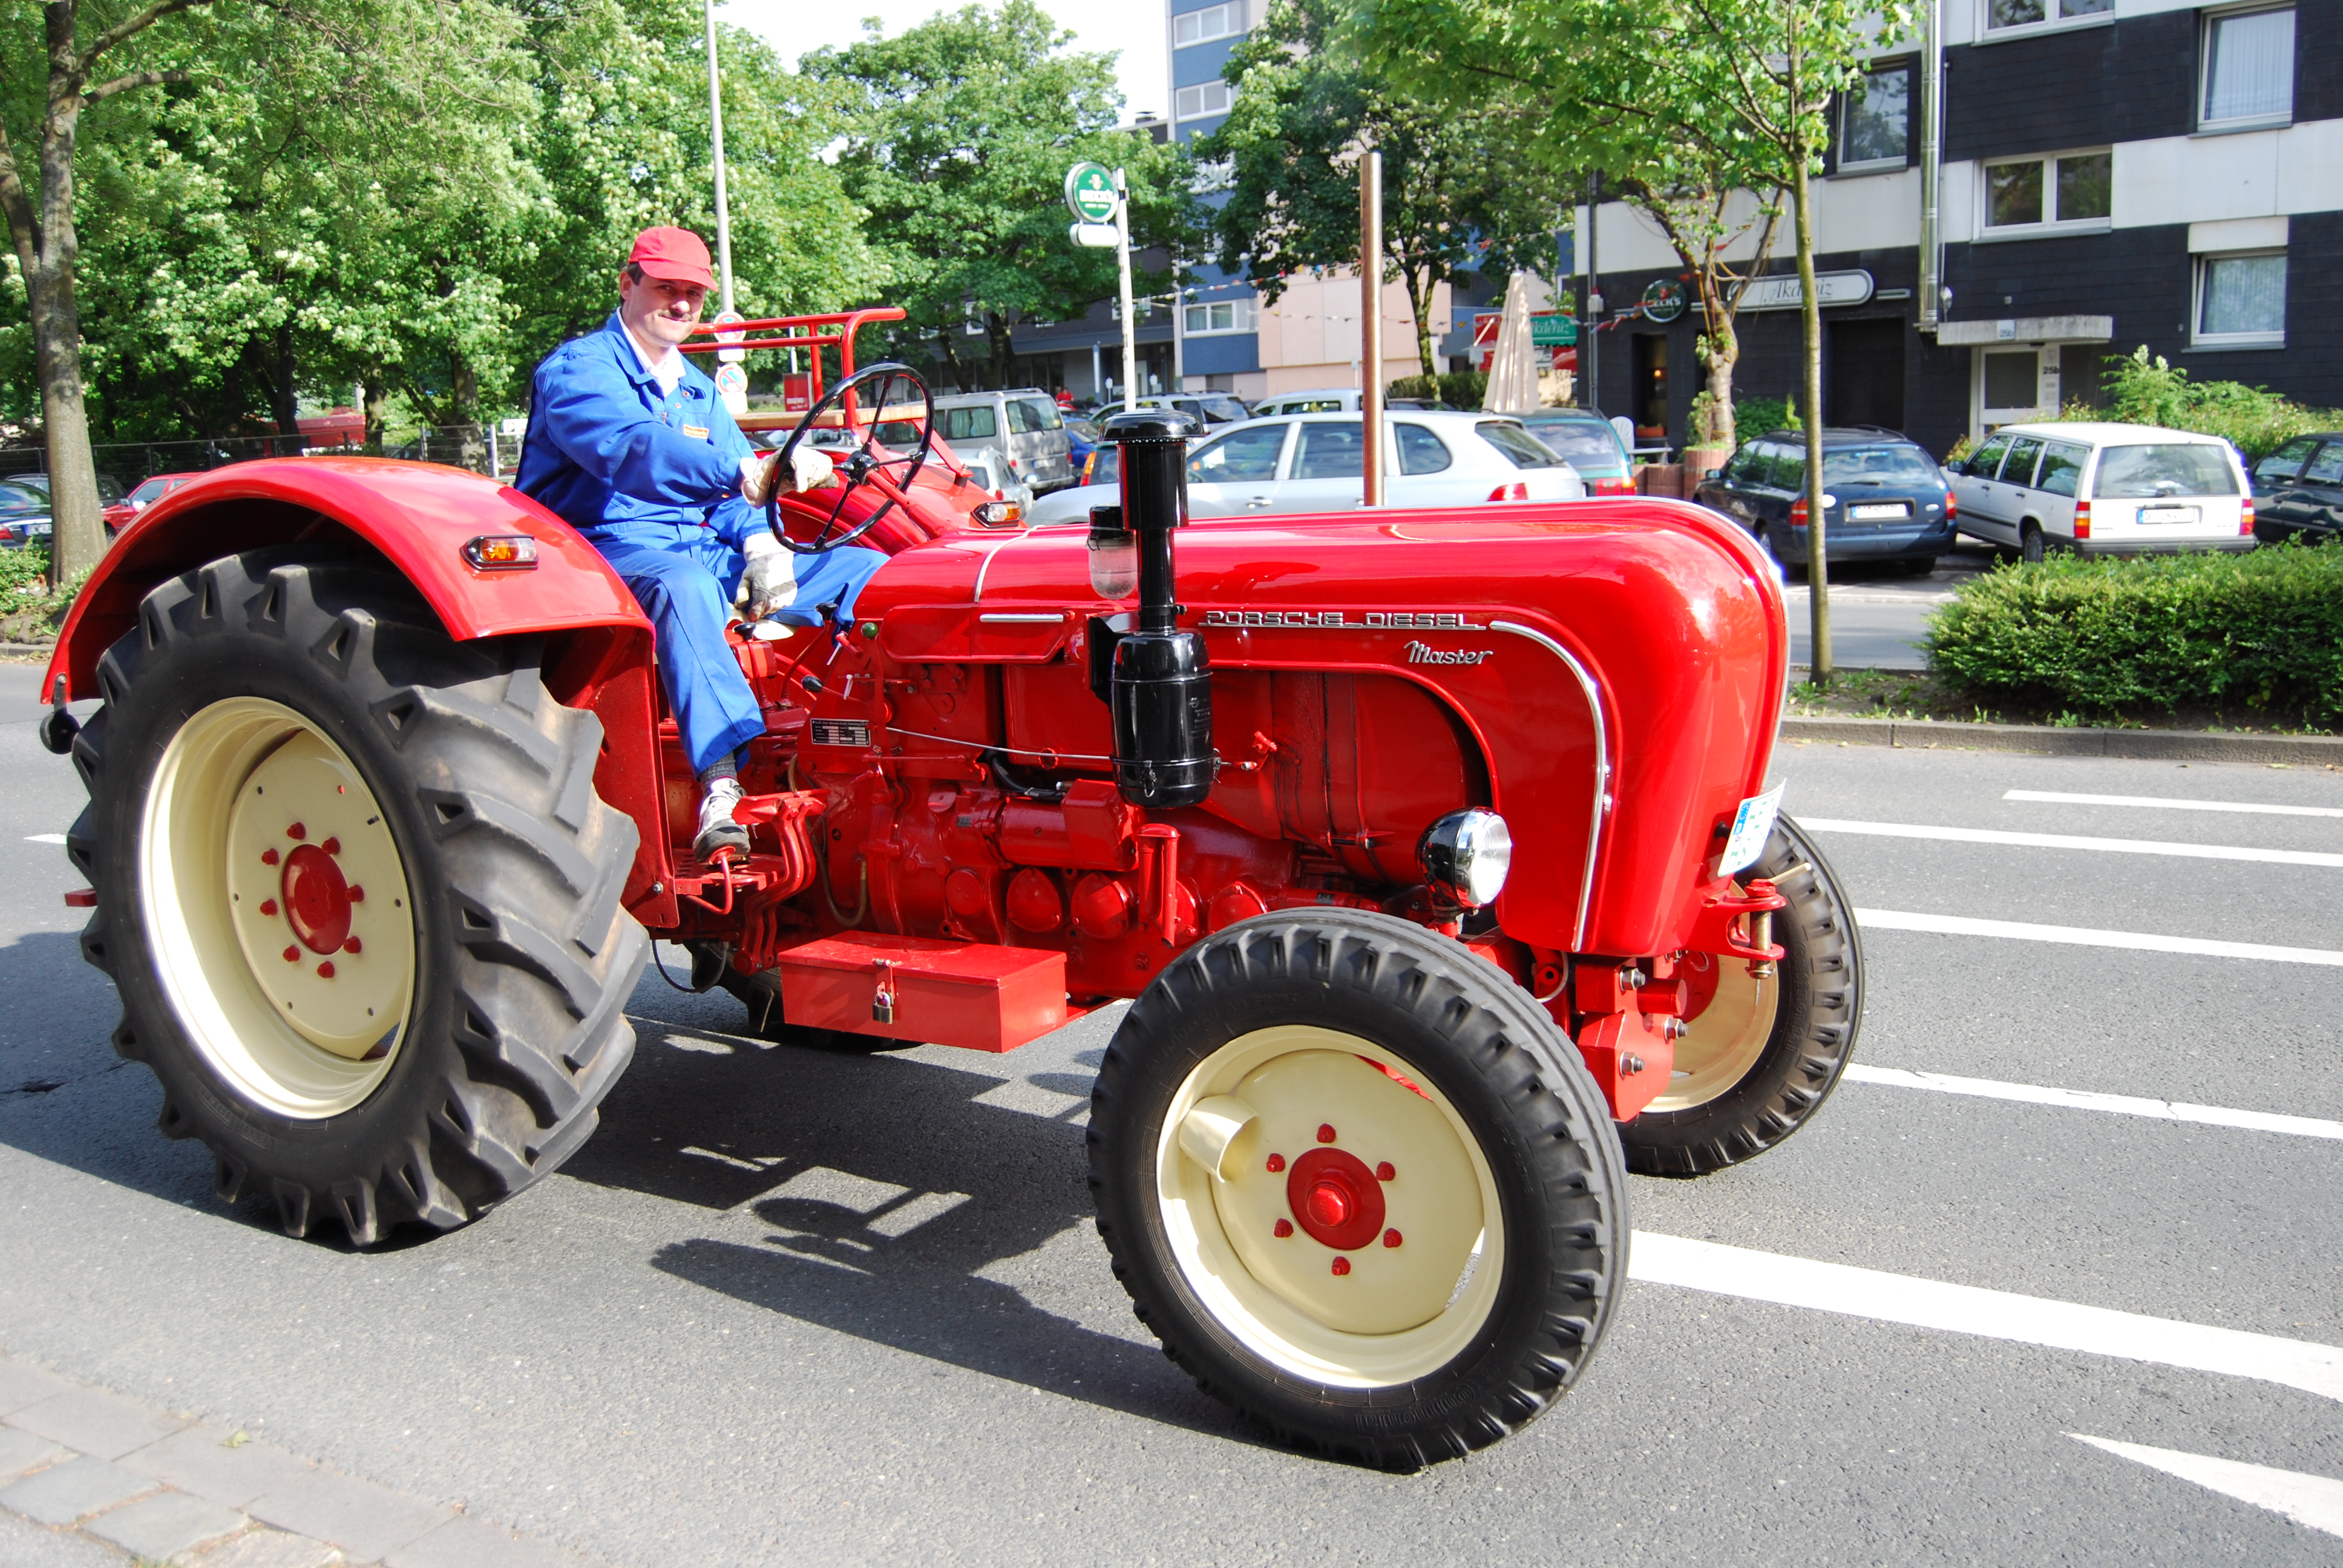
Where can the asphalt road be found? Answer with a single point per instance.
(1879, 617)
(792, 1308)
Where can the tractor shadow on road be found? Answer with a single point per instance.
(877, 1197)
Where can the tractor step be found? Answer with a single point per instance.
(978, 996)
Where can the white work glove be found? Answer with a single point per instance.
(770, 581)
(808, 470)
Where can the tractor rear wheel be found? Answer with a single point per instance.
(356, 892)
(1761, 1052)
(1359, 1186)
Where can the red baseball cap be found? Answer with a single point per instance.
(677, 255)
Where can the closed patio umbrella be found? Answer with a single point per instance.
(1512, 378)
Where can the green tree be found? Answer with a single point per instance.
(958, 135)
(52, 71)
(1683, 99)
(1456, 198)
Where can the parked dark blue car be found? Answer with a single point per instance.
(1885, 499)
(2299, 491)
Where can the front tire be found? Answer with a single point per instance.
(1761, 1054)
(1412, 1228)
(356, 892)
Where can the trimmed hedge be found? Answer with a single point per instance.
(1458, 388)
(2261, 630)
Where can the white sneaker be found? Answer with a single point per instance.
(718, 831)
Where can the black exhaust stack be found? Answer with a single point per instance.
(1162, 686)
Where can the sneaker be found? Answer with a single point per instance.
(718, 831)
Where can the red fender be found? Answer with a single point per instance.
(418, 517)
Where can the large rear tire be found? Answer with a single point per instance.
(1761, 1053)
(1359, 1186)
(356, 892)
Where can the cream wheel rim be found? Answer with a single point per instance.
(1724, 1041)
(278, 907)
(1331, 1209)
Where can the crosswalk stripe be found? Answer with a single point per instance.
(2072, 842)
(1992, 1314)
(2088, 1099)
(2084, 936)
(2316, 1501)
(2062, 797)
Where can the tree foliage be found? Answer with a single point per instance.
(1457, 195)
(959, 134)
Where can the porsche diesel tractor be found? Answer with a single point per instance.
(1433, 851)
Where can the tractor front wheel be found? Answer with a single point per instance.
(1761, 1052)
(356, 892)
(1359, 1186)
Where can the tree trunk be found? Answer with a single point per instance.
(374, 403)
(1811, 365)
(1721, 352)
(1420, 284)
(78, 536)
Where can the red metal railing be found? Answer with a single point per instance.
(811, 333)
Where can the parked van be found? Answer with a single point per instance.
(1023, 424)
(1323, 400)
(2104, 489)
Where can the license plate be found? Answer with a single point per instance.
(1879, 512)
(1751, 827)
(2167, 514)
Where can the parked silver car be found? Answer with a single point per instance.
(1023, 424)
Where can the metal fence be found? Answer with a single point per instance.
(131, 463)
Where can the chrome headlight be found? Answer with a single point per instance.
(1466, 856)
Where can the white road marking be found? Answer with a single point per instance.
(2316, 1501)
(2084, 936)
(2073, 841)
(45, 838)
(2059, 797)
(1992, 1314)
(2087, 1099)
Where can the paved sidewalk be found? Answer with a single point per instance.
(89, 1477)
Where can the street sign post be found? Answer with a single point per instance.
(1099, 199)
(731, 377)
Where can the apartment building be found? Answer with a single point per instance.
(2111, 173)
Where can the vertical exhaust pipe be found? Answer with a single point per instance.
(1162, 687)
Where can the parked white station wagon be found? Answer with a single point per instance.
(2104, 489)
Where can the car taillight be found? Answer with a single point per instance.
(2082, 519)
(1619, 485)
(1951, 506)
(2245, 518)
(1798, 513)
(1089, 465)
(1516, 491)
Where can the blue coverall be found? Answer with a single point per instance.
(653, 481)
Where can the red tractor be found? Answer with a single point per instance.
(1432, 849)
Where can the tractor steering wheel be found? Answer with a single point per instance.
(865, 463)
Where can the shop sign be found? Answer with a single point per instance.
(1782, 292)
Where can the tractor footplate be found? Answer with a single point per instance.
(974, 995)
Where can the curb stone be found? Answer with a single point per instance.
(2153, 745)
(86, 1473)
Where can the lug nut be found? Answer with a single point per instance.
(1282, 1229)
(1630, 1065)
(1391, 1237)
(1342, 1266)
(1326, 1133)
(268, 906)
(1276, 1163)
(297, 831)
(1385, 1171)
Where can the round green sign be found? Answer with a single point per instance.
(1664, 299)
(1089, 193)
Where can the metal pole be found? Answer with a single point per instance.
(1098, 377)
(1932, 125)
(1129, 315)
(1371, 323)
(715, 132)
(1589, 343)
(1178, 332)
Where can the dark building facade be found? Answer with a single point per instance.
(2113, 174)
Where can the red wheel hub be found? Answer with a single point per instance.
(316, 900)
(1335, 1198)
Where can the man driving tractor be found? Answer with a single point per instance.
(631, 445)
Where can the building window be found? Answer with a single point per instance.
(2248, 69)
(1220, 316)
(1212, 22)
(2241, 300)
(1876, 120)
(1197, 102)
(2001, 13)
(2072, 189)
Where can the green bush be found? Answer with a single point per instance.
(1461, 388)
(2261, 630)
(2144, 391)
(1754, 417)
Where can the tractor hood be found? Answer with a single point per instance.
(1620, 665)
